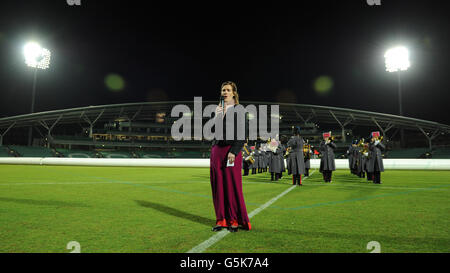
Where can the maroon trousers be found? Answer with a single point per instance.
(226, 184)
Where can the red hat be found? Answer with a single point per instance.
(326, 135)
(375, 134)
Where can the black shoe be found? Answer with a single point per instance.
(217, 228)
(233, 229)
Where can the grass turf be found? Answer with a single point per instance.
(122, 209)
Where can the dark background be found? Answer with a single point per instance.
(274, 51)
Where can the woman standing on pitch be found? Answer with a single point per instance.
(225, 170)
(296, 161)
(327, 164)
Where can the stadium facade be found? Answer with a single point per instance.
(143, 130)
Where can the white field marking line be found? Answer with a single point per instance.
(217, 237)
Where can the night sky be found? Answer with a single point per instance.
(274, 51)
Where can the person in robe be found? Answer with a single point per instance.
(375, 164)
(327, 161)
(226, 169)
(296, 161)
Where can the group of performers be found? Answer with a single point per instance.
(365, 158)
(271, 157)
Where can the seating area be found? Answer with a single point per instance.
(441, 153)
(24, 151)
(116, 154)
(3, 152)
(406, 153)
(31, 151)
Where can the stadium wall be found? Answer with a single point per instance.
(393, 164)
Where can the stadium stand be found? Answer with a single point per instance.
(143, 130)
(31, 151)
(3, 151)
(406, 153)
(75, 153)
(115, 154)
(152, 154)
(25, 151)
(441, 153)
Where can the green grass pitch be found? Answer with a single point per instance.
(124, 209)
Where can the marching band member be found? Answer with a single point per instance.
(327, 162)
(255, 156)
(281, 158)
(296, 161)
(366, 160)
(360, 159)
(288, 160)
(226, 170)
(246, 152)
(350, 154)
(275, 167)
(265, 161)
(307, 152)
(262, 159)
(283, 163)
(376, 160)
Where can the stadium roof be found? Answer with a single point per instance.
(290, 113)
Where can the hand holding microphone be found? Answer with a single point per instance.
(222, 104)
(220, 108)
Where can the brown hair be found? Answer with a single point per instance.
(234, 88)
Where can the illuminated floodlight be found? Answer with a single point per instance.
(397, 59)
(36, 56)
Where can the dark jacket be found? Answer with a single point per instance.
(236, 145)
(296, 161)
(327, 161)
(375, 155)
(275, 160)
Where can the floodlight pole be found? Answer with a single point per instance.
(33, 97)
(400, 93)
(402, 134)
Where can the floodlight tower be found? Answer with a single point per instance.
(397, 60)
(37, 58)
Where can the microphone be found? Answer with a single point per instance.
(222, 103)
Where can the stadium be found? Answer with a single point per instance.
(114, 171)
